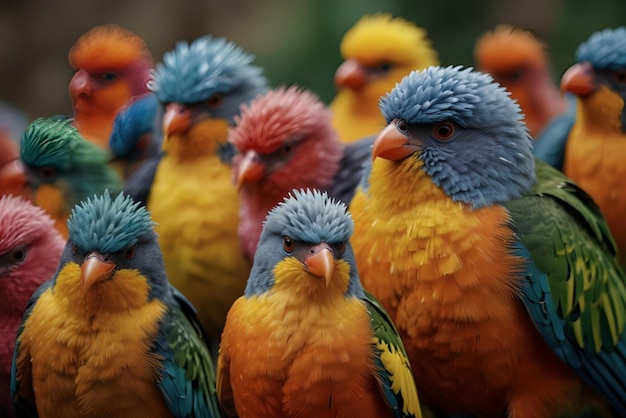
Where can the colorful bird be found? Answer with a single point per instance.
(63, 168)
(519, 61)
(192, 198)
(30, 249)
(596, 145)
(112, 64)
(286, 141)
(499, 272)
(136, 138)
(305, 340)
(108, 336)
(378, 51)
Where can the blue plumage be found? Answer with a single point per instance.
(139, 118)
(492, 122)
(107, 224)
(605, 49)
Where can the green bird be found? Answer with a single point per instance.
(108, 335)
(63, 168)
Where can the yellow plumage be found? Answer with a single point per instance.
(373, 42)
(195, 206)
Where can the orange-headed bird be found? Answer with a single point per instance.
(305, 340)
(192, 197)
(596, 145)
(519, 61)
(378, 51)
(30, 248)
(286, 141)
(112, 65)
(499, 272)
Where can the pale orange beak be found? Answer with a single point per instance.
(350, 74)
(321, 263)
(177, 119)
(391, 144)
(579, 79)
(251, 170)
(96, 268)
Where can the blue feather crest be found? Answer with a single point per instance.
(107, 224)
(605, 49)
(193, 72)
(131, 123)
(312, 216)
(468, 98)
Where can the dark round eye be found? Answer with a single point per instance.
(18, 255)
(385, 67)
(288, 244)
(108, 76)
(619, 76)
(286, 149)
(341, 248)
(129, 252)
(74, 250)
(47, 172)
(443, 131)
(215, 100)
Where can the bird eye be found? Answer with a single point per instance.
(215, 100)
(443, 131)
(619, 76)
(385, 67)
(130, 252)
(18, 255)
(74, 250)
(340, 248)
(288, 244)
(47, 172)
(108, 76)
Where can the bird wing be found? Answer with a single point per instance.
(355, 156)
(139, 183)
(394, 371)
(188, 379)
(22, 388)
(575, 290)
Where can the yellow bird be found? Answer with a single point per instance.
(378, 51)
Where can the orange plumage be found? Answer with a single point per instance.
(519, 61)
(112, 65)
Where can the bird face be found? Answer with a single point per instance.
(98, 92)
(254, 166)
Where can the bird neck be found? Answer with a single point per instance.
(198, 142)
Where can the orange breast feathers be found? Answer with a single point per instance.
(445, 274)
(283, 356)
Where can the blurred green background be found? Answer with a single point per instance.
(295, 41)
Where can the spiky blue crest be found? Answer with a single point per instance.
(55, 142)
(311, 216)
(468, 98)
(107, 224)
(489, 160)
(193, 72)
(605, 49)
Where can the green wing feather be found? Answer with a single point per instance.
(395, 376)
(576, 292)
(188, 381)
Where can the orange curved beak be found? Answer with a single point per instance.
(96, 268)
(321, 263)
(177, 119)
(391, 144)
(251, 170)
(579, 79)
(350, 74)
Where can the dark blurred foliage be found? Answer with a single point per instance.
(294, 41)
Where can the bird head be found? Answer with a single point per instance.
(510, 55)
(305, 249)
(285, 140)
(62, 167)
(378, 51)
(111, 65)
(112, 253)
(30, 248)
(601, 65)
(462, 130)
(207, 79)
